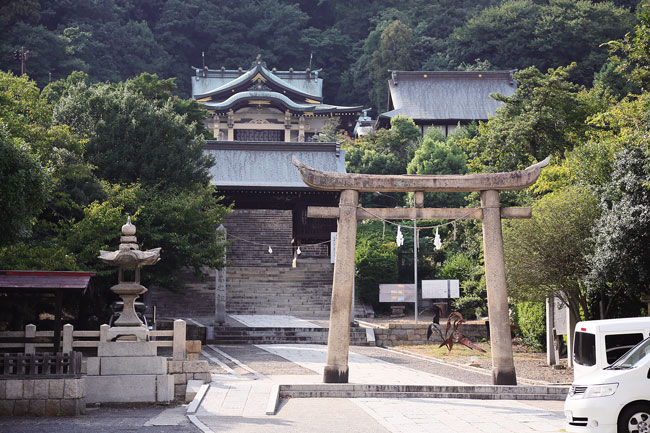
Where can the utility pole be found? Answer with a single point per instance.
(21, 56)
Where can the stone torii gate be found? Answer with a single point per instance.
(348, 212)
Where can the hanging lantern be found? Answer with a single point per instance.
(436, 241)
(270, 250)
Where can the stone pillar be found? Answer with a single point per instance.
(287, 126)
(231, 125)
(67, 338)
(220, 287)
(550, 324)
(338, 341)
(301, 129)
(30, 332)
(178, 344)
(215, 126)
(570, 335)
(503, 367)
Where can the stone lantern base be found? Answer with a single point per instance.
(128, 371)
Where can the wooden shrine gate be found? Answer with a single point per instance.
(348, 212)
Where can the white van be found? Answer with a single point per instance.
(598, 343)
(613, 399)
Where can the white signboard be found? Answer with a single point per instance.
(440, 289)
(332, 247)
(397, 293)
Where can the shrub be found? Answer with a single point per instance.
(531, 318)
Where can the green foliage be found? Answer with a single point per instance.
(376, 261)
(473, 292)
(384, 151)
(133, 139)
(393, 53)
(545, 116)
(620, 263)
(23, 187)
(547, 254)
(531, 319)
(634, 50)
(522, 33)
(439, 155)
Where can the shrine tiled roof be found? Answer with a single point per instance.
(268, 164)
(447, 96)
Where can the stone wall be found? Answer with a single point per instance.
(410, 333)
(187, 370)
(197, 298)
(42, 397)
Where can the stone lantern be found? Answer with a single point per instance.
(129, 256)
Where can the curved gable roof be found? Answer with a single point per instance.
(260, 77)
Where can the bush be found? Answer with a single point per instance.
(376, 262)
(531, 319)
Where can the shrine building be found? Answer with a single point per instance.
(259, 118)
(445, 99)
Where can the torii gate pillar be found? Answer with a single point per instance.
(338, 340)
(503, 369)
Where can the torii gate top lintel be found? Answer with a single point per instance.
(332, 181)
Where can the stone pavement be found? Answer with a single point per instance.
(239, 403)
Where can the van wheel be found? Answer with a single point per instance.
(635, 419)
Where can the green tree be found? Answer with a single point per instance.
(23, 187)
(134, 139)
(394, 53)
(620, 263)
(43, 169)
(523, 33)
(547, 254)
(439, 155)
(545, 116)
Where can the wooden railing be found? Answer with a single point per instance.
(40, 364)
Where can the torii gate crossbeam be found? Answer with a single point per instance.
(491, 213)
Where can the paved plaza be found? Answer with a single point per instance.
(238, 403)
(245, 380)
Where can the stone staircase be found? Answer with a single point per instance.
(304, 291)
(252, 335)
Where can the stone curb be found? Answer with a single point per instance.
(478, 392)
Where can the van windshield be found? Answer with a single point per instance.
(632, 358)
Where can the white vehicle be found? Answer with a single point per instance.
(598, 343)
(613, 399)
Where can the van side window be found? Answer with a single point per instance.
(616, 345)
(584, 349)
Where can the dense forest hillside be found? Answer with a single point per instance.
(354, 42)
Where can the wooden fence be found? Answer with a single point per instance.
(40, 364)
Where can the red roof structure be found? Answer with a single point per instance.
(58, 282)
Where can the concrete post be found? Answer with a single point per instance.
(550, 324)
(67, 338)
(220, 287)
(30, 332)
(178, 345)
(503, 368)
(338, 341)
(103, 332)
(570, 335)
